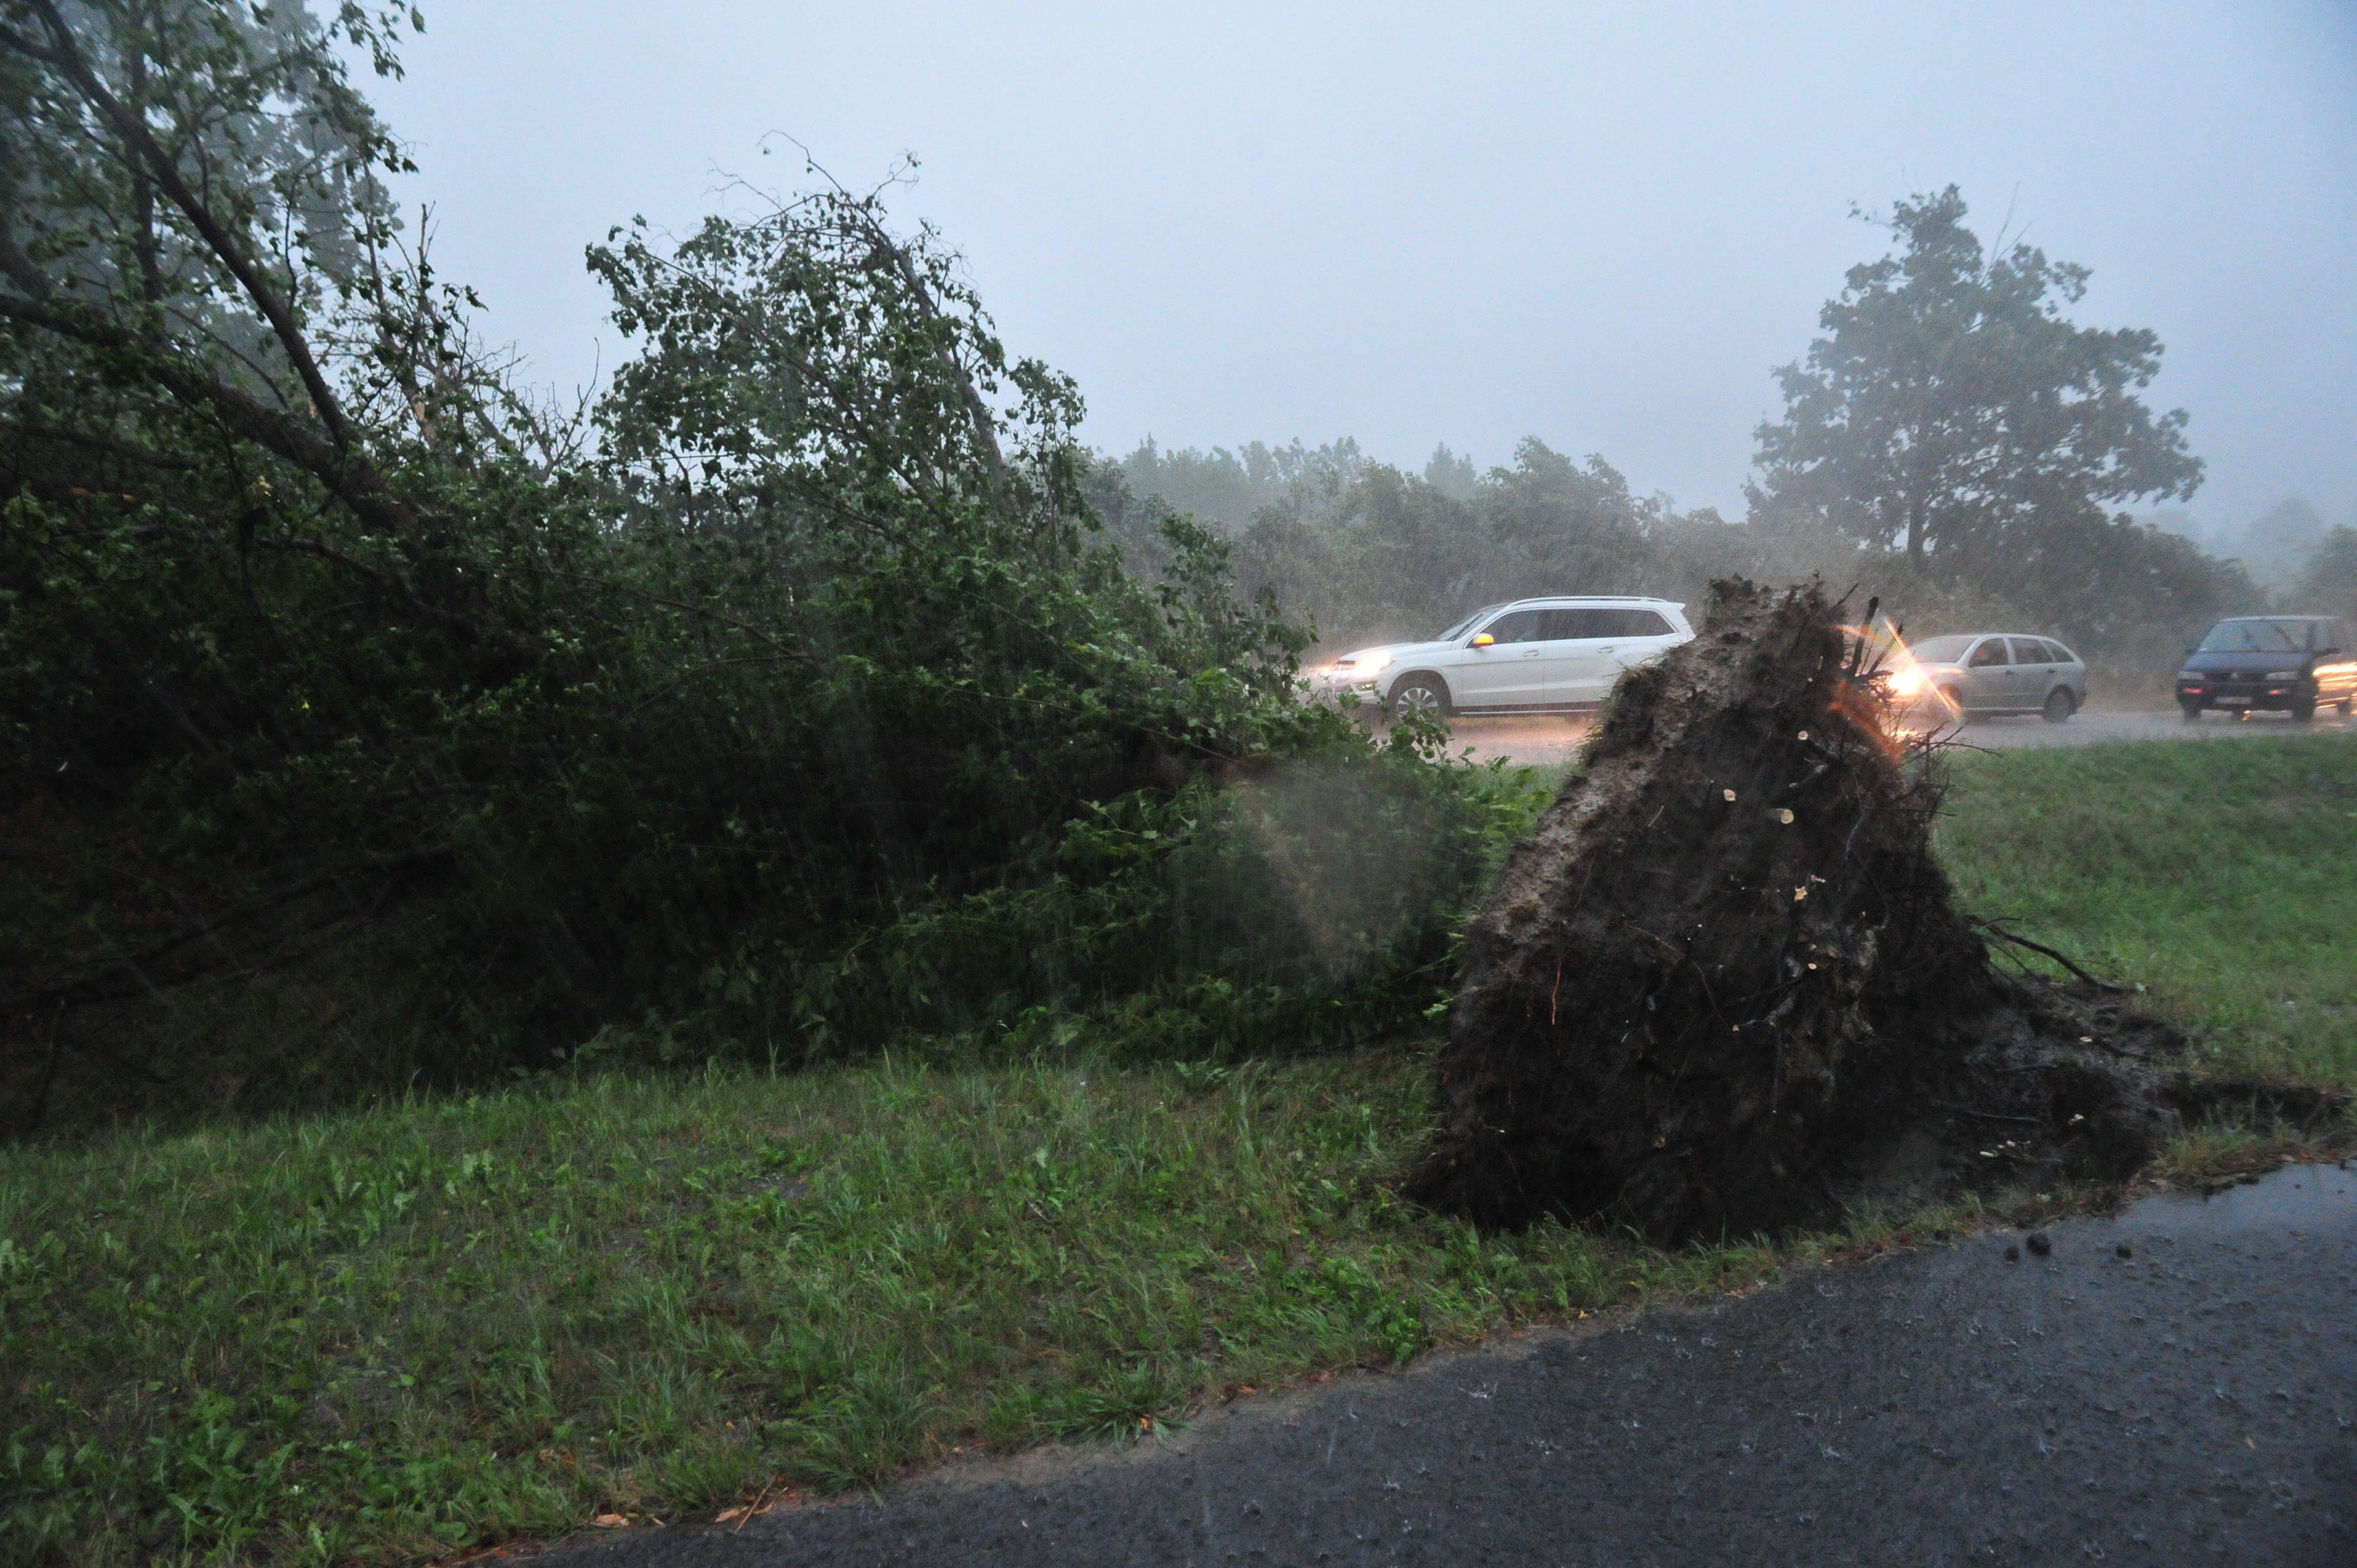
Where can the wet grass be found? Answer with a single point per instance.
(2222, 878)
(387, 1334)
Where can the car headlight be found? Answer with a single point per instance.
(1366, 664)
(2190, 675)
(2285, 674)
(1907, 683)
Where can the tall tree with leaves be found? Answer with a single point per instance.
(1951, 406)
(249, 524)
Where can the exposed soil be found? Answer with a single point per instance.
(1724, 988)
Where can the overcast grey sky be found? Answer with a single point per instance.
(1598, 224)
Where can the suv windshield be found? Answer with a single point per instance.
(1941, 650)
(2258, 637)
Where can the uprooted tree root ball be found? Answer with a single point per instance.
(1724, 988)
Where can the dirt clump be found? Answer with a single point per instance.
(1723, 987)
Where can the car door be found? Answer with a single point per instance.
(1502, 673)
(2035, 670)
(1639, 635)
(1574, 662)
(2069, 670)
(1595, 643)
(1989, 677)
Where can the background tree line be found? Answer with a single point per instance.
(1952, 439)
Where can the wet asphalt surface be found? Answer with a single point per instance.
(1541, 740)
(2192, 1400)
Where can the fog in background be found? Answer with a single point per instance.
(1600, 225)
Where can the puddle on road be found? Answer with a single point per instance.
(2300, 1200)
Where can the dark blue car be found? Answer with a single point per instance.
(2291, 665)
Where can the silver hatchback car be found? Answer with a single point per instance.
(1978, 675)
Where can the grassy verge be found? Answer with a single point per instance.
(387, 1334)
(2222, 878)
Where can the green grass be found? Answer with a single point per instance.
(2220, 876)
(388, 1334)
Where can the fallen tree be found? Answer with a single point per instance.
(1723, 986)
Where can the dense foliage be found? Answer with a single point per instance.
(790, 697)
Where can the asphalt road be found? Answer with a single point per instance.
(1543, 740)
(2189, 1399)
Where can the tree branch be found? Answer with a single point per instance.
(126, 974)
(165, 173)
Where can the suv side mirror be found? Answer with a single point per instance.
(1481, 639)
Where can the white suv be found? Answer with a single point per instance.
(1528, 656)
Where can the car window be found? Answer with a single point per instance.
(2029, 651)
(1519, 625)
(1603, 620)
(1588, 621)
(1462, 627)
(2058, 654)
(1940, 650)
(1990, 651)
(1563, 624)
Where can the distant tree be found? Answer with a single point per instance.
(2329, 586)
(1450, 474)
(1227, 490)
(1951, 404)
(1230, 492)
(2279, 541)
(1395, 554)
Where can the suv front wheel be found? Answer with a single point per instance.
(1420, 694)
